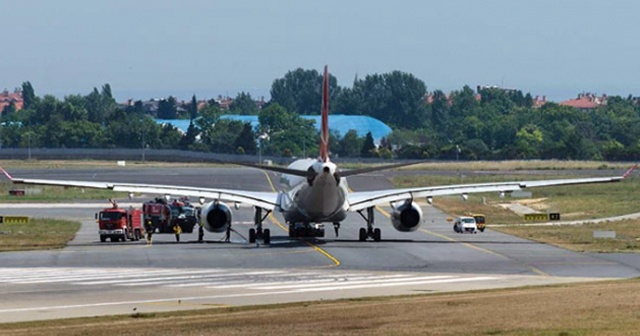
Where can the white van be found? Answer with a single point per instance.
(465, 224)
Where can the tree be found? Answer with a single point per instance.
(189, 138)
(368, 147)
(28, 96)
(440, 112)
(193, 109)
(274, 118)
(100, 106)
(247, 140)
(167, 108)
(223, 137)
(528, 141)
(287, 132)
(300, 91)
(243, 104)
(395, 98)
(351, 144)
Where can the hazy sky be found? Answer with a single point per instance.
(153, 48)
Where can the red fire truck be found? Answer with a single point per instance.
(120, 224)
(163, 215)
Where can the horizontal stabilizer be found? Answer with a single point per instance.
(352, 172)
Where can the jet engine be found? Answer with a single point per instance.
(406, 217)
(216, 216)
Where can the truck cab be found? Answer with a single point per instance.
(480, 220)
(119, 224)
(465, 224)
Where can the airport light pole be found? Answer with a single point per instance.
(261, 137)
(143, 144)
(28, 134)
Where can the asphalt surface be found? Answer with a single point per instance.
(92, 278)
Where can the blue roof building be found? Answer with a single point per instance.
(337, 122)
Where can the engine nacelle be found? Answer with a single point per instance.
(216, 217)
(406, 217)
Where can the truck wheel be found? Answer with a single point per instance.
(103, 239)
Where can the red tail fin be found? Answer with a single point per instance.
(324, 135)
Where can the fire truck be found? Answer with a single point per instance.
(119, 224)
(164, 215)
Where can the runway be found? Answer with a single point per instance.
(91, 278)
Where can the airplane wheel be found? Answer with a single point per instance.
(363, 234)
(292, 231)
(266, 234)
(377, 234)
(252, 236)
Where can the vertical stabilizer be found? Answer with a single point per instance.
(324, 130)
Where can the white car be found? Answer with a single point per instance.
(465, 224)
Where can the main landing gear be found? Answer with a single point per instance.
(369, 232)
(258, 232)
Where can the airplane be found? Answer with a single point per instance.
(317, 192)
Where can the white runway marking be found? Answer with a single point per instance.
(262, 280)
(218, 283)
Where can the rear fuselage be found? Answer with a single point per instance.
(319, 197)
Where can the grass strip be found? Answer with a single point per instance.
(38, 234)
(575, 309)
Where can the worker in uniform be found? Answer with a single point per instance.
(177, 230)
(200, 232)
(148, 228)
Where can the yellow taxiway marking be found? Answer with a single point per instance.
(275, 221)
(471, 246)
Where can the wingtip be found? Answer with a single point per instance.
(630, 171)
(6, 174)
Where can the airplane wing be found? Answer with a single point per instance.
(265, 200)
(364, 199)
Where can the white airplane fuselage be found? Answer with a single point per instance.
(319, 198)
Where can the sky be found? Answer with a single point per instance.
(155, 48)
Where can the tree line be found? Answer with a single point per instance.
(490, 124)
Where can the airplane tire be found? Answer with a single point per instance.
(252, 236)
(377, 234)
(363, 234)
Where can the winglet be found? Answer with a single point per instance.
(630, 171)
(324, 135)
(6, 174)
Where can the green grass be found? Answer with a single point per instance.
(580, 202)
(602, 308)
(56, 194)
(580, 237)
(573, 202)
(38, 234)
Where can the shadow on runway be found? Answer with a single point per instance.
(287, 242)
